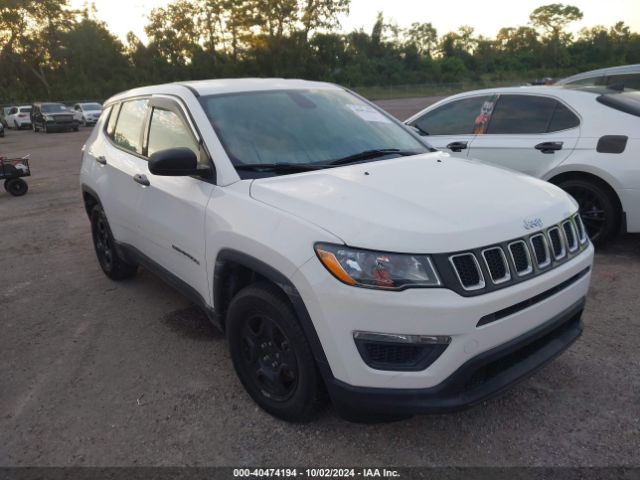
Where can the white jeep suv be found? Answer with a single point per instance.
(339, 252)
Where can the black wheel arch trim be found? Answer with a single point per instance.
(88, 190)
(281, 280)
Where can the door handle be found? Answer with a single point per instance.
(549, 147)
(457, 146)
(141, 179)
(101, 159)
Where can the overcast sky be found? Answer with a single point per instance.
(486, 16)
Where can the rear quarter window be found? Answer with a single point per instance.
(113, 117)
(563, 119)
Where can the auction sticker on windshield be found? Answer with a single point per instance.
(368, 113)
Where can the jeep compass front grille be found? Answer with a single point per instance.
(520, 257)
(570, 235)
(468, 271)
(514, 261)
(496, 263)
(541, 250)
(557, 244)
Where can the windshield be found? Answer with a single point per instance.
(303, 127)
(54, 108)
(91, 106)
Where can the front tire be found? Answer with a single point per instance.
(113, 265)
(599, 211)
(16, 187)
(271, 355)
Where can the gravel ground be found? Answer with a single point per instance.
(101, 373)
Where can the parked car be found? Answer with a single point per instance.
(621, 77)
(51, 117)
(334, 246)
(1, 130)
(585, 140)
(87, 113)
(19, 117)
(3, 116)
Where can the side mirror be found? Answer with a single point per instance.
(175, 162)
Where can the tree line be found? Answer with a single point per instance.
(50, 51)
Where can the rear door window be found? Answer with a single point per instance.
(456, 118)
(522, 114)
(127, 133)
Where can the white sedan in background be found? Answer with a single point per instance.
(585, 140)
(87, 113)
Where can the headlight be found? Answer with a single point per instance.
(49, 118)
(371, 269)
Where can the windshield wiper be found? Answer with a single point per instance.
(369, 155)
(277, 167)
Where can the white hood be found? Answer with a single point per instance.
(427, 203)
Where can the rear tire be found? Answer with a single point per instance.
(112, 263)
(598, 208)
(599, 211)
(16, 187)
(271, 354)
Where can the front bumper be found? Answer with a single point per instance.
(478, 379)
(56, 126)
(337, 311)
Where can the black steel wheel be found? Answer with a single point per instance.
(268, 358)
(16, 186)
(599, 212)
(112, 264)
(271, 355)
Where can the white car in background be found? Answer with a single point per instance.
(585, 140)
(624, 76)
(19, 117)
(87, 113)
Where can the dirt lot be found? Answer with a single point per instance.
(101, 373)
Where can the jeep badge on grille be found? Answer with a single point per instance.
(531, 223)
